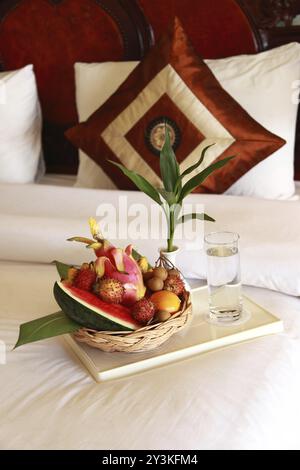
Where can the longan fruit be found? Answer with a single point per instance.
(162, 315)
(155, 284)
(161, 273)
(148, 275)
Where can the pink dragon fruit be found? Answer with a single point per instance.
(115, 263)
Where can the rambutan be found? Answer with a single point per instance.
(111, 290)
(85, 279)
(174, 284)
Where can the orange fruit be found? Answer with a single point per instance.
(165, 300)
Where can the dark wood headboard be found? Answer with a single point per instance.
(54, 34)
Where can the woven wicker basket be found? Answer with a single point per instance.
(143, 339)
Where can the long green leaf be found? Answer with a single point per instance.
(196, 165)
(194, 182)
(62, 269)
(55, 324)
(192, 167)
(141, 183)
(169, 168)
(194, 216)
(170, 197)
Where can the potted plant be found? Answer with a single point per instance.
(175, 188)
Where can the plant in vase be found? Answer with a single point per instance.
(175, 188)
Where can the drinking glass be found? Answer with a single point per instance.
(223, 276)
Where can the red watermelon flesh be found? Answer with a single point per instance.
(115, 312)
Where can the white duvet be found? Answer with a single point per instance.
(36, 220)
(242, 397)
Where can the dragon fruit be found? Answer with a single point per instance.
(115, 263)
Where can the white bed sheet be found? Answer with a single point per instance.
(242, 397)
(35, 221)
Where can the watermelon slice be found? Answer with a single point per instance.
(88, 310)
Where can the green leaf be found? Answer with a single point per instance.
(141, 183)
(193, 167)
(46, 327)
(62, 269)
(136, 255)
(194, 216)
(194, 182)
(169, 168)
(196, 165)
(169, 197)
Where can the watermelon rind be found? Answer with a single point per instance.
(90, 316)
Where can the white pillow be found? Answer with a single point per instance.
(261, 83)
(20, 126)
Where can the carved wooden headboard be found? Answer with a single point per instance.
(54, 34)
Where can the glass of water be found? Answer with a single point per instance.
(224, 277)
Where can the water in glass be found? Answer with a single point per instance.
(224, 280)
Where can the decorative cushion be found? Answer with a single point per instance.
(173, 84)
(95, 83)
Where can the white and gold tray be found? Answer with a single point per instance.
(198, 337)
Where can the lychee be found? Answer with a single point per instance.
(85, 279)
(143, 311)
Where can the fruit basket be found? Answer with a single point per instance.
(117, 302)
(143, 339)
(123, 292)
(159, 327)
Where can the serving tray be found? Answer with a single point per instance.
(197, 337)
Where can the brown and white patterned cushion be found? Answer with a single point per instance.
(173, 85)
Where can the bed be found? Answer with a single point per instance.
(241, 397)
